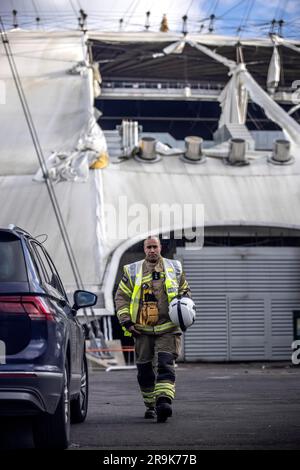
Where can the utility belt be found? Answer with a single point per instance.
(149, 314)
(149, 309)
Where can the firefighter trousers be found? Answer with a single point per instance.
(155, 360)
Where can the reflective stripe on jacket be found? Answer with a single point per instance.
(134, 273)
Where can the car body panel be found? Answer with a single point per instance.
(36, 350)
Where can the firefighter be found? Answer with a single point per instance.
(142, 303)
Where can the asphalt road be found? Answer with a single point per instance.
(217, 407)
(234, 406)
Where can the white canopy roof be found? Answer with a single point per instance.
(27, 204)
(257, 194)
(60, 103)
(206, 39)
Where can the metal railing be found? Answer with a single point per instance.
(161, 85)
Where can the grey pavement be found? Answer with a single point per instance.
(217, 406)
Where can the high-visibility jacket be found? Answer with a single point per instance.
(132, 288)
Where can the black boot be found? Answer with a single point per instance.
(163, 409)
(150, 413)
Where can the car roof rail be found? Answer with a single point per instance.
(17, 229)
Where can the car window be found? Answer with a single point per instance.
(47, 269)
(59, 284)
(44, 271)
(12, 262)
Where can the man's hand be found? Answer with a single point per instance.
(133, 331)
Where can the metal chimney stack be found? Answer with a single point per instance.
(148, 148)
(237, 152)
(281, 151)
(193, 148)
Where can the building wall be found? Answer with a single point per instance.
(245, 297)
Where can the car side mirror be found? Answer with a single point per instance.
(83, 299)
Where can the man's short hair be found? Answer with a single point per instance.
(152, 237)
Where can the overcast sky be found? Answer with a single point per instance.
(243, 17)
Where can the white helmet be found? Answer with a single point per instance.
(182, 312)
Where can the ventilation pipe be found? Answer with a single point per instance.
(193, 147)
(148, 148)
(281, 152)
(129, 133)
(193, 150)
(237, 152)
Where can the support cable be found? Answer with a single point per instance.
(41, 159)
(37, 16)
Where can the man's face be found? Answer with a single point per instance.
(152, 249)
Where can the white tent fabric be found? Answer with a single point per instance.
(257, 194)
(273, 111)
(294, 109)
(274, 71)
(214, 55)
(58, 87)
(177, 48)
(74, 165)
(27, 204)
(203, 39)
(234, 101)
(291, 46)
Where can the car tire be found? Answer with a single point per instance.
(52, 431)
(79, 406)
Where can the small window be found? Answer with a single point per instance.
(47, 270)
(12, 262)
(56, 279)
(44, 271)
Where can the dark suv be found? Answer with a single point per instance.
(43, 368)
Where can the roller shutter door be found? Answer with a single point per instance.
(244, 298)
